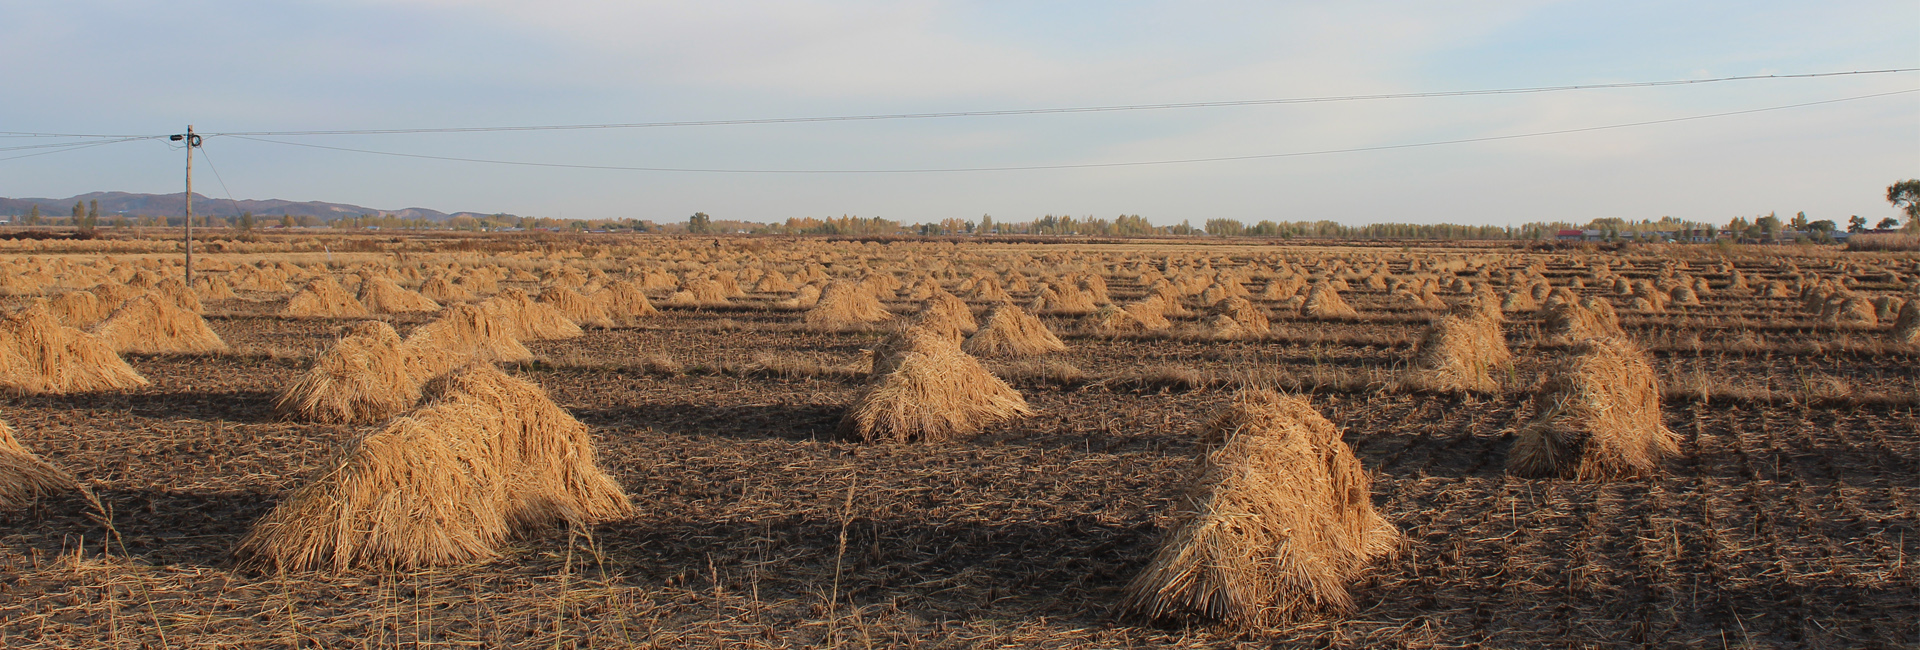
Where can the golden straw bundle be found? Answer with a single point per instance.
(1599, 420)
(1275, 523)
(488, 455)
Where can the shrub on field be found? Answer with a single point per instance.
(1599, 419)
(1277, 519)
(446, 483)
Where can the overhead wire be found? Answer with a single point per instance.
(1065, 110)
(216, 176)
(78, 146)
(1176, 161)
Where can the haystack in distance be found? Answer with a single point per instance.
(362, 379)
(487, 456)
(1599, 419)
(324, 298)
(1012, 332)
(846, 305)
(1459, 353)
(923, 388)
(1276, 522)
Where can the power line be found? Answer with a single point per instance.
(216, 176)
(1177, 161)
(28, 134)
(87, 145)
(56, 145)
(1079, 109)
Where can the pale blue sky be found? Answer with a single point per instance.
(153, 67)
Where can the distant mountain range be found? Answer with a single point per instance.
(173, 205)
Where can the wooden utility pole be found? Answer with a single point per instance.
(192, 141)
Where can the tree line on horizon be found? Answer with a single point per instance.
(1904, 195)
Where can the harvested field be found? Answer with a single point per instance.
(1789, 518)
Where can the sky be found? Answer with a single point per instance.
(151, 68)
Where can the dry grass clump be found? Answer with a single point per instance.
(39, 355)
(381, 296)
(1275, 523)
(587, 312)
(211, 287)
(176, 290)
(806, 296)
(1906, 326)
(444, 484)
(948, 314)
(1460, 353)
(362, 379)
(1009, 331)
(1151, 312)
(1600, 419)
(1235, 317)
(773, 282)
(1848, 308)
(80, 308)
(924, 388)
(1323, 301)
(324, 298)
(845, 305)
(625, 302)
(443, 291)
(531, 321)
(152, 325)
(706, 291)
(1111, 319)
(462, 334)
(1063, 299)
(987, 289)
(1592, 317)
(24, 477)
